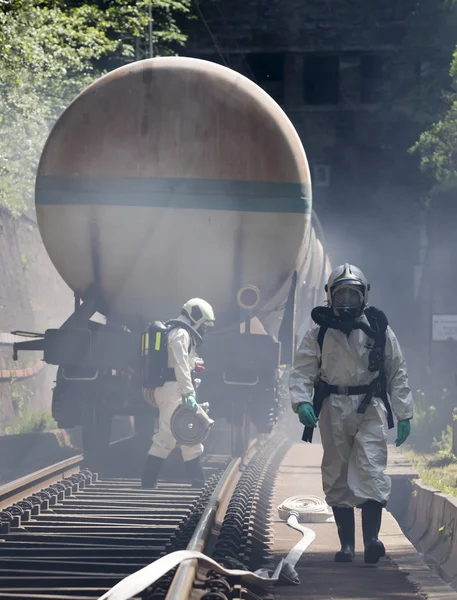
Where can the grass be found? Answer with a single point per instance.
(430, 446)
(439, 471)
(29, 422)
(25, 420)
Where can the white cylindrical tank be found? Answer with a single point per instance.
(172, 178)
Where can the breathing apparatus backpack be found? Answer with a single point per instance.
(155, 371)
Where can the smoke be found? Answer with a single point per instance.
(386, 249)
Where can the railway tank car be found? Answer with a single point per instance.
(167, 179)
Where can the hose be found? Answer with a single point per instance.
(307, 509)
(293, 509)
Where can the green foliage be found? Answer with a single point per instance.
(424, 422)
(434, 101)
(50, 51)
(444, 443)
(435, 471)
(431, 424)
(29, 422)
(444, 447)
(25, 420)
(21, 395)
(437, 149)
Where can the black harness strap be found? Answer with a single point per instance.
(378, 387)
(378, 321)
(320, 337)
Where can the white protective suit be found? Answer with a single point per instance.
(169, 396)
(355, 445)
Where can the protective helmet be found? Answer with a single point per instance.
(347, 291)
(199, 312)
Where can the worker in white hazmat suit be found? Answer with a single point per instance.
(182, 358)
(347, 366)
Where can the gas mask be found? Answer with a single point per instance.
(348, 302)
(202, 329)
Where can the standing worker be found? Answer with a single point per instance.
(196, 315)
(346, 365)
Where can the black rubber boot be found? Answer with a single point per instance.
(195, 472)
(151, 472)
(345, 523)
(371, 523)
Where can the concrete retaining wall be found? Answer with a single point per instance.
(33, 297)
(429, 519)
(402, 474)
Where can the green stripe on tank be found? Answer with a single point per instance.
(204, 194)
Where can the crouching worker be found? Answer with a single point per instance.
(196, 315)
(347, 365)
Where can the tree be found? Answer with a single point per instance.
(49, 51)
(424, 58)
(437, 146)
(432, 102)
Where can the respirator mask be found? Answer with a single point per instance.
(348, 302)
(202, 329)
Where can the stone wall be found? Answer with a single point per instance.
(33, 297)
(332, 66)
(294, 25)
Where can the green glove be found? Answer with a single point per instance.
(190, 402)
(306, 415)
(403, 431)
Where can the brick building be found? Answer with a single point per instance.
(330, 65)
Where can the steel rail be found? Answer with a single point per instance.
(35, 482)
(14, 490)
(208, 524)
(183, 581)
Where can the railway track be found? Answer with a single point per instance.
(66, 533)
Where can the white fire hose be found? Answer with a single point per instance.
(189, 427)
(308, 509)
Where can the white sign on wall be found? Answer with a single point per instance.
(444, 327)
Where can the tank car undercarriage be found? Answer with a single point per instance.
(99, 377)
